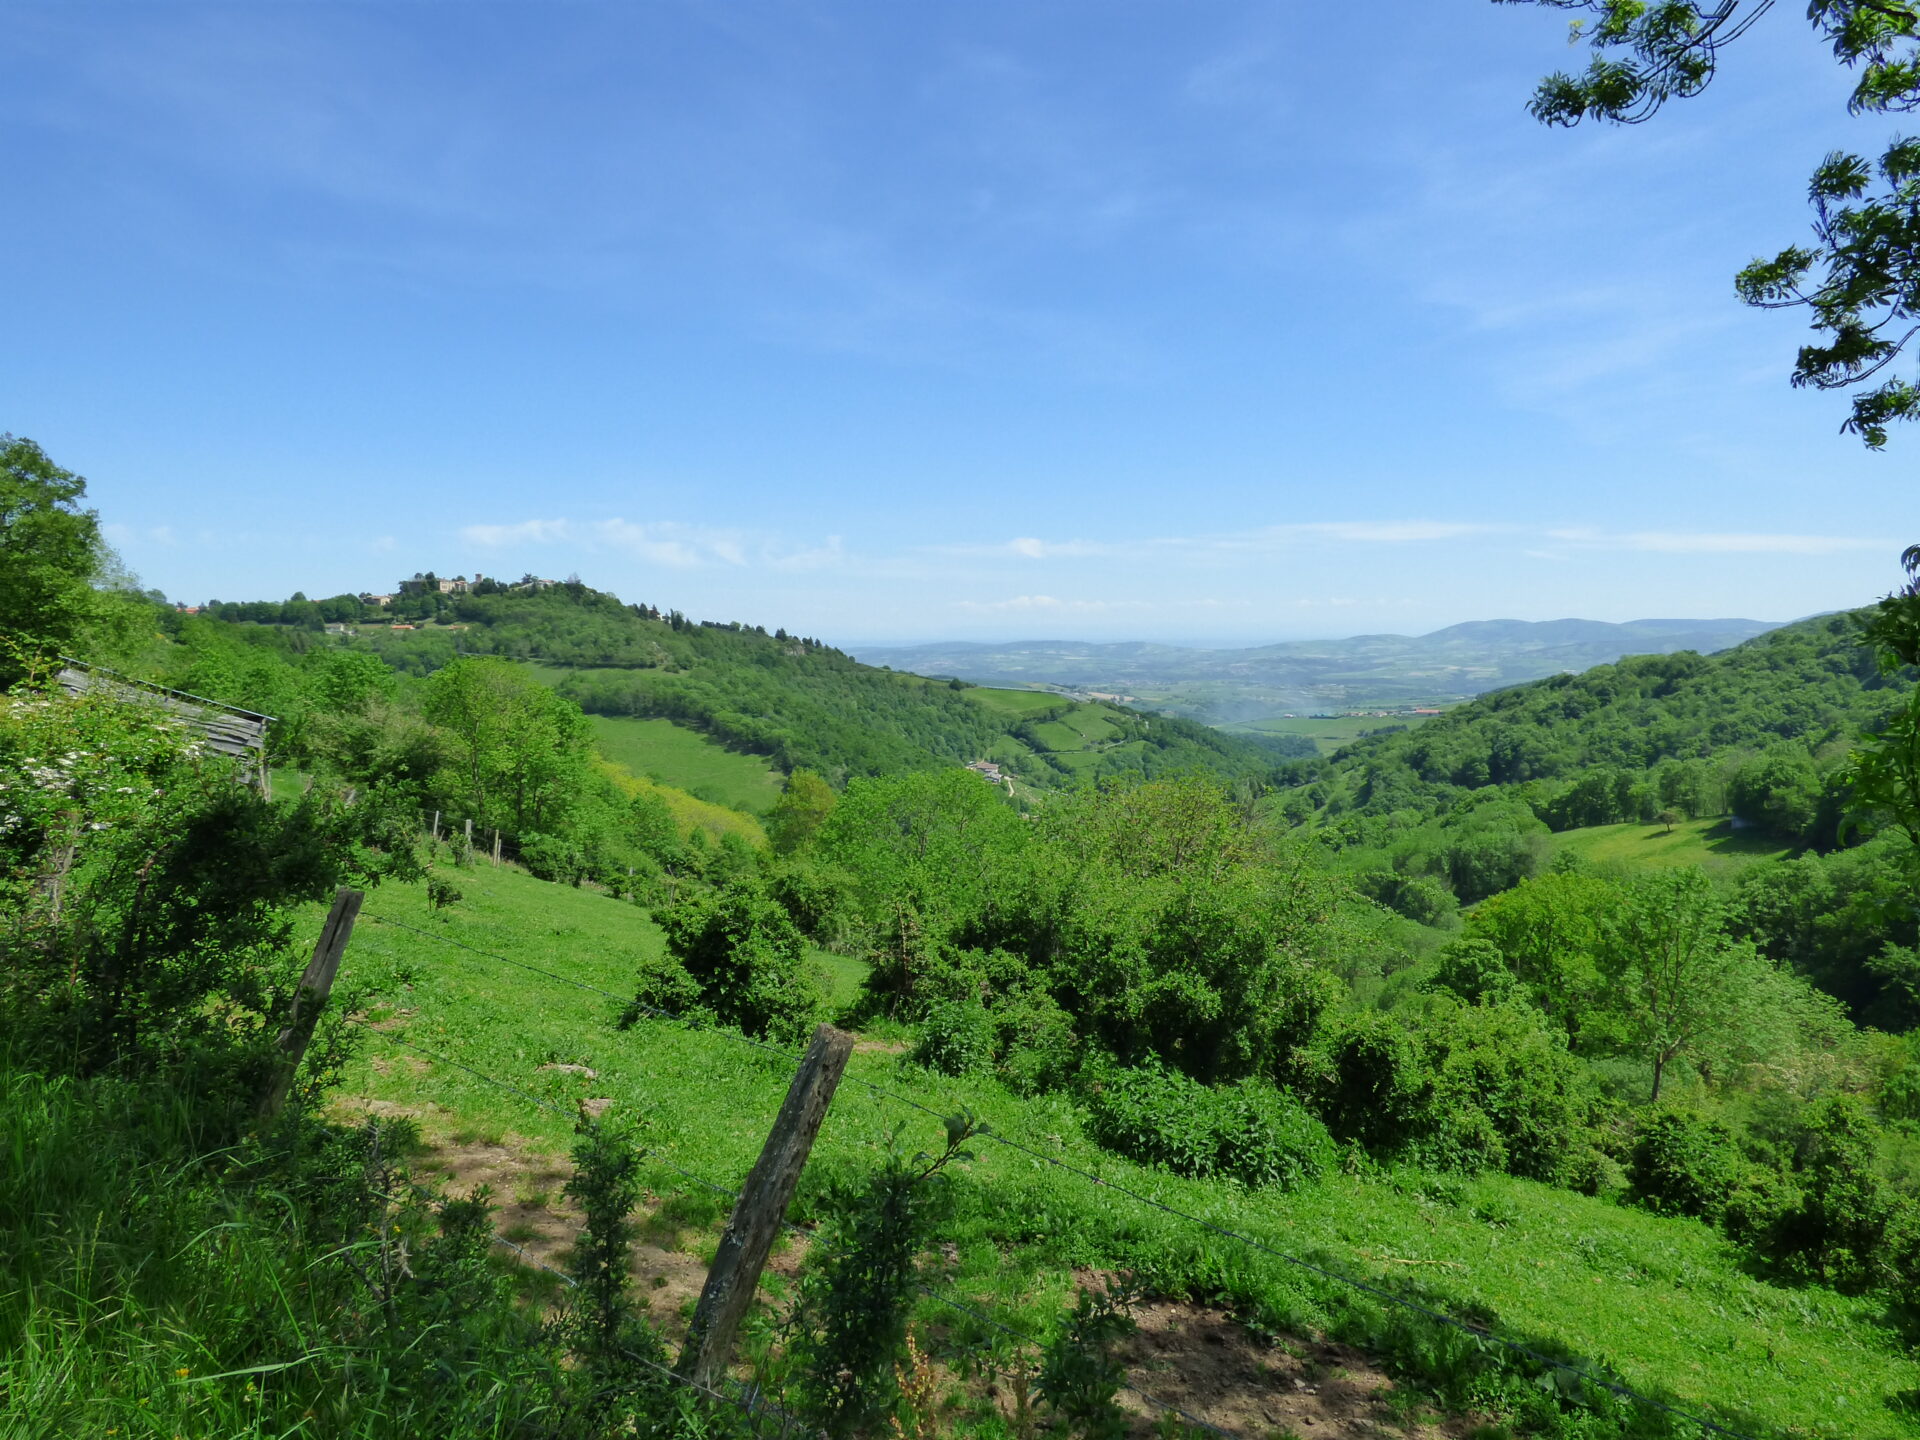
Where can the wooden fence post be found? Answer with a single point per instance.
(496, 848)
(436, 827)
(311, 998)
(469, 839)
(762, 1206)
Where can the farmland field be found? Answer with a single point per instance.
(1329, 734)
(1016, 702)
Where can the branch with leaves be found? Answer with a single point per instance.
(1860, 280)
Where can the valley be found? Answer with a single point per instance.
(1251, 688)
(1337, 1040)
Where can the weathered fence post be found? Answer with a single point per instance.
(496, 848)
(311, 998)
(436, 827)
(469, 839)
(762, 1206)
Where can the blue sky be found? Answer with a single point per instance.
(1200, 321)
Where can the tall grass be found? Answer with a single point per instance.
(152, 1288)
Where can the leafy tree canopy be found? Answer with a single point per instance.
(52, 558)
(1860, 279)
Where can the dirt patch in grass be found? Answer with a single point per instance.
(531, 1212)
(1194, 1357)
(1207, 1364)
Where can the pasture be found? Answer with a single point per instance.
(687, 760)
(1663, 1303)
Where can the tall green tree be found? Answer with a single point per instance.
(803, 805)
(53, 565)
(1884, 771)
(522, 753)
(1684, 988)
(1859, 281)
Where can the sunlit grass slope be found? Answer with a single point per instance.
(690, 812)
(1664, 1302)
(688, 760)
(1712, 843)
(1329, 734)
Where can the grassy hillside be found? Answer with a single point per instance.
(1332, 733)
(1713, 844)
(801, 704)
(1664, 1302)
(687, 760)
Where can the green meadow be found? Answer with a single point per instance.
(1329, 734)
(688, 760)
(1663, 1303)
(1711, 842)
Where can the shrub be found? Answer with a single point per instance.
(1682, 1164)
(1454, 1086)
(956, 1038)
(1839, 1230)
(748, 959)
(1251, 1131)
(1419, 898)
(1034, 1039)
(1080, 1373)
(549, 857)
(857, 1290)
(1474, 970)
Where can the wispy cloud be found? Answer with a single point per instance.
(660, 542)
(1673, 542)
(1270, 537)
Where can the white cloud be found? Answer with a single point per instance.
(1270, 537)
(1049, 604)
(526, 532)
(660, 542)
(1716, 543)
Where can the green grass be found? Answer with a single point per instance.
(688, 760)
(1330, 735)
(1664, 1302)
(1015, 702)
(1090, 723)
(1712, 843)
(1057, 736)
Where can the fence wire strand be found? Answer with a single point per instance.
(655, 1158)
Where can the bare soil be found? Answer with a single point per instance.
(1195, 1357)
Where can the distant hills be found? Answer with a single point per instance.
(1229, 687)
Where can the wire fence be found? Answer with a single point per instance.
(989, 1361)
(1479, 1333)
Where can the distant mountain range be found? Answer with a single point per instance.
(1242, 686)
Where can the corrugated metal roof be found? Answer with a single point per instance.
(224, 729)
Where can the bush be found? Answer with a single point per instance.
(1422, 900)
(1251, 1131)
(748, 959)
(1453, 1086)
(549, 857)
(1839, 1231)
(1034, 1040)
(957, 1037)
(1682, 1164)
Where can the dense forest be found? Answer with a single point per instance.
(1760, 730)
